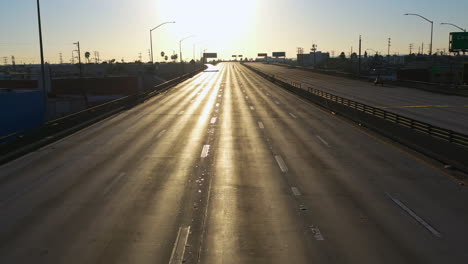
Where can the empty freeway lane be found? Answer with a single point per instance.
(229, 168)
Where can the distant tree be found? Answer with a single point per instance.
(342, 56)
(162, 53)
(354, 56)
(174, 57)
(365, 54)
(166, 58)
(112, 61)
(87, 55)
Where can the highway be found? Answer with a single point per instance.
(446, 111)
(229, 168)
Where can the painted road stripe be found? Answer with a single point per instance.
(268, 94)
(260, 125)
(316, 233)
(323, 141)
(217, 104)
(295, 191)
(177, 256)
(252, 108)
(276, 102)
(220, 95)
(181, 112)
(109, 187)
(205, 151)
(415, 216)
(281, 163)
(293, 116)
(161, 133)
(213, 120)
(247, 97)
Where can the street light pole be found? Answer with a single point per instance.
(151, 37)
(432, 28)
(42, 56)
(180, 46)
(464, 30)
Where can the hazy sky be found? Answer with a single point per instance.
(120, 28)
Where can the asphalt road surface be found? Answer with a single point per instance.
(446, 111)
(228, 168)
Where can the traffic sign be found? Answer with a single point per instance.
(458, 41)
(240, 56)
(279, 54)
(210, 55)
(262, 55)
(234, 56)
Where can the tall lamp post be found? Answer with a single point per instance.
(42, 56)
(151, 37)
(432, 28)
(464, 30)
(180, 46)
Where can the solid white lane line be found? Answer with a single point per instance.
(205, 151)
(181, 112)
(252, 108)
(293, 116)
(177, 256)
(415, 216)
(161, 133)
(217, 104)
(295, 191)
(316, 233)
(260, 125)
(213, 120)
(109, 187)
(281, 163)
(323, 141)
(220, 95)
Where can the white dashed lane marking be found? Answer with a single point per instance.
(205, 151)
(281, 163)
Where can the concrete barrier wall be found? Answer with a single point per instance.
(18, 84)
(96, 86)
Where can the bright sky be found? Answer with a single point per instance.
(120, 28)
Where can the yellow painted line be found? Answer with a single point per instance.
(422, 106)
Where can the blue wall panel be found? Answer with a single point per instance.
(20, 110)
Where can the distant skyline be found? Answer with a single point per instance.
(120, 28)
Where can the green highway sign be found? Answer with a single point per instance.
(458, 41)
(279, 54)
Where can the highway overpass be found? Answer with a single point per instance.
(229, 168)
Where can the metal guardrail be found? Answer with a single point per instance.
(445, 145)
(48, 131)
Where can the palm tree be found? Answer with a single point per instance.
(87, 55)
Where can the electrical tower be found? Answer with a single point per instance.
(410, 48)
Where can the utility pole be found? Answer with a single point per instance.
(422, 48)
(139, 56)
(389, 45)
(149, 54)
(359, 58)
(314, 49)
(410, 48)
(79, 57)
(41, 47)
